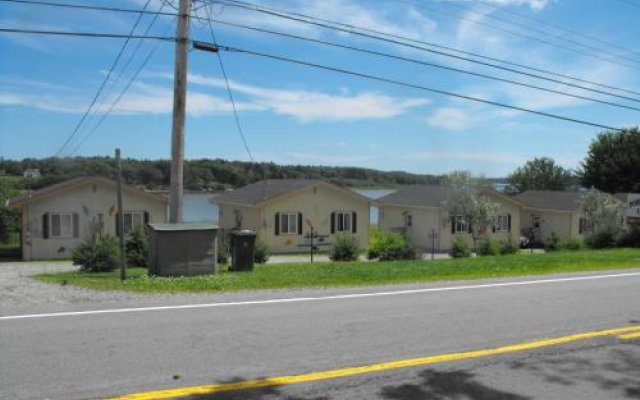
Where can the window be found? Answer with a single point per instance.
(408, 220)
(585, 226)
(61, 225)
(502, 223)
(343, 222)
(238, 218)
(289, 223)
(535, 221)
(133, 219)
(460, 224)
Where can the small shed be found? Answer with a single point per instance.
(183, 249)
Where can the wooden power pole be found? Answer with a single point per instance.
(120, 217)
(179, 113)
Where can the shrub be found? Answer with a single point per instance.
(137, 247)
(345, 248)
(488, 247)
(553, 243)
(510, 246)
(630, 238)
(391, 246)
(571, 244)
(97, 255)
(460, 248)
(261, 252)
(601, 239)
(223, 250)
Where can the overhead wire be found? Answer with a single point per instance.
(376, 35)
(420, 45)
(425, 63)
(229, 92)
(414, 86)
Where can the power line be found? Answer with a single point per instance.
(537, 31)
(114, 64)
(377, 35)
(426, 63)
(414, 86)
(566, 30)
(84, 34)
(226, 80)
(119, 97)
(350, 29)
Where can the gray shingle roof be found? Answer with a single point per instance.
(551, 199)
(266, 190)
(75, 182)
(420, 195)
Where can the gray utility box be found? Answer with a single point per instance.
(183, 249)
(242, 250)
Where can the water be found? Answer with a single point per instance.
(198, 208)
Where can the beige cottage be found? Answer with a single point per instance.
(560, 212)
(57, 218)
(632, 209)
(283, 213)
(419, 212)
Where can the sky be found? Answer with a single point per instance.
(294, 114)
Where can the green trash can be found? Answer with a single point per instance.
(242, 250)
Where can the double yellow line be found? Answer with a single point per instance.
(626, 333)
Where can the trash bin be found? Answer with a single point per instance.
(242, 250)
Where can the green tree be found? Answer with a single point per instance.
(540, 174)
(612, 163)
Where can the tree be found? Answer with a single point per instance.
(540, 174)
(604, 216)
(613, 162)
(479, 211)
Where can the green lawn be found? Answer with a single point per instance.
(358, 273)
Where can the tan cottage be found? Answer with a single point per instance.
(283, 213)
(632, 209)
(548, 211)
(419, 212)
(57, 218)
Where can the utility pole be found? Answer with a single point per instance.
(120, 216)
(179, 112)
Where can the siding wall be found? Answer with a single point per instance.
(87, 203)
(564, 224)
(428, 219)
(316, 203)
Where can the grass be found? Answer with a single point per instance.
(279, 276)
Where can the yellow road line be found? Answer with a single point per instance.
(628, 336)
(365, 369)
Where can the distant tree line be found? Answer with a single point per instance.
(202, 174)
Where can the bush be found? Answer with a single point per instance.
(460, 248)
(391, 246)
(137, 247)
(261, 252)
(630, 238)
(602, 239)
(345, 248)
(488, 247)
(553, 244)
(510, 246)
(223, 250)
(571, 244)
(97, 255)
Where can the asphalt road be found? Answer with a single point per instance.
(111, 354)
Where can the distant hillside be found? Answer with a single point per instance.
(204, 174)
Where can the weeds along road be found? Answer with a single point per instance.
(86, 354)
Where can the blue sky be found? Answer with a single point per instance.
(299, 115)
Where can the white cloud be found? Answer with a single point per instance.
(485, 157)
(450, 118)
(309, 106)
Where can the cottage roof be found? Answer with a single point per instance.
(19, 201)
(267, 190)
(551, 199)
(431, 195)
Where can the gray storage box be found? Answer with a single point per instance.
(242, 250)
(183, 249)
